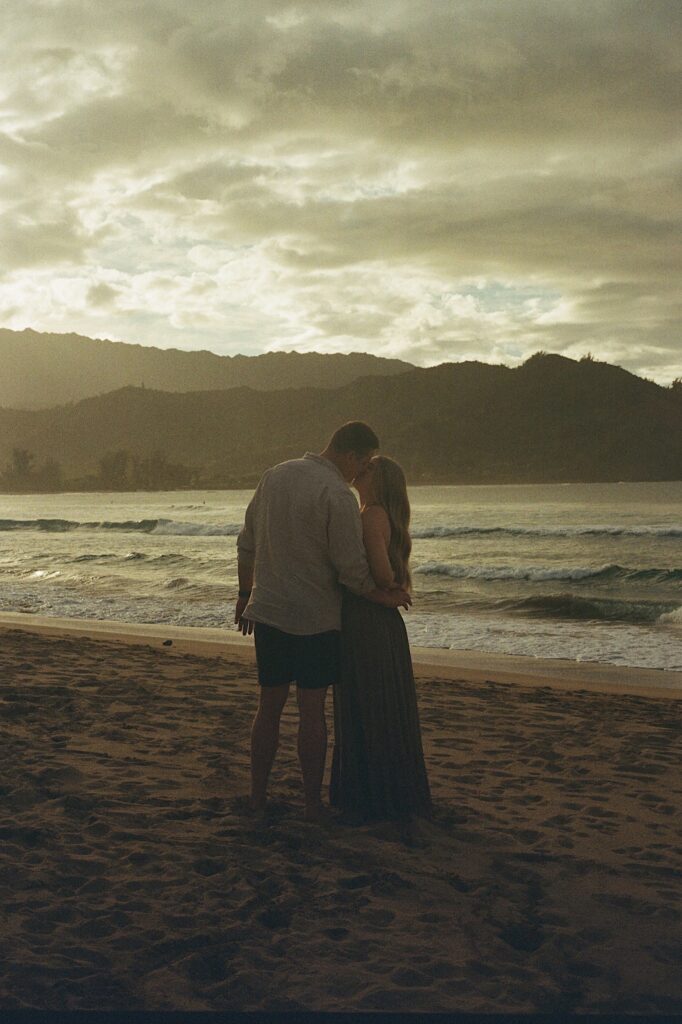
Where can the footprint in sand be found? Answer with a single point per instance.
(408, 977)
(524, 937)
(378, 918)
(433, 917)
(355, 882)
(441, 969)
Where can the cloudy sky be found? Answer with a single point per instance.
(434, 180)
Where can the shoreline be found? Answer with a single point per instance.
(460, 665)
(422, 483)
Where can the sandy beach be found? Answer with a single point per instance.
(131, 877)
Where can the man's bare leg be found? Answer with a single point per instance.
(265, 740)
(312, 747)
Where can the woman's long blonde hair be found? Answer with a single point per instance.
(390, 491)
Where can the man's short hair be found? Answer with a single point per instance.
(354, 436)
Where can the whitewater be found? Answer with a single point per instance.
(591, 572)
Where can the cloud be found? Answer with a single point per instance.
(102, 295)
(30, 236)
(436, 181)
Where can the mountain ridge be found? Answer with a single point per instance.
(42, 370)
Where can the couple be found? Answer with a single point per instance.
(320, 584)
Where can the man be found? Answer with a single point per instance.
(301, 540)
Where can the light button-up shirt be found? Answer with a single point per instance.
(302, 536)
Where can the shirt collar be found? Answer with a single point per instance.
(326, 462)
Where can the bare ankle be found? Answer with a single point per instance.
(314, 811)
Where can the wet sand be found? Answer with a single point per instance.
(131, 877)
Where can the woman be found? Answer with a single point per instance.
(378, 765)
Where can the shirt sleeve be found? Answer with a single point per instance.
(346, 549)
(246, 540)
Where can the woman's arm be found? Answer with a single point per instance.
(376, 534)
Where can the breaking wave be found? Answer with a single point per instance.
(160, 527)
(672, 618)
(539, 574)
(572, 606)
(172, 527)
(433, 532)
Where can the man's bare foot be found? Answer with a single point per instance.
(258, 810)
(317, 815)
(246, 805)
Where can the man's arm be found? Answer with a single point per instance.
(376, 532)
(245, 626)
(396, 597)
(376, 536)
(349, 558)
(246, 556)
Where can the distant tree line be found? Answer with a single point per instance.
(116, 471)
(121, 471)
(23, 474)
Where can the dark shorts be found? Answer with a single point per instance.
(310, 661)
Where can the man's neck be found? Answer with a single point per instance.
(335, 459)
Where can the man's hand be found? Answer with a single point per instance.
(245, 626)
(396, 597)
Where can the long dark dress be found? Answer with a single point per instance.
(378, 767)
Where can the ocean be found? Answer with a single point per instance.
(591, 572)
